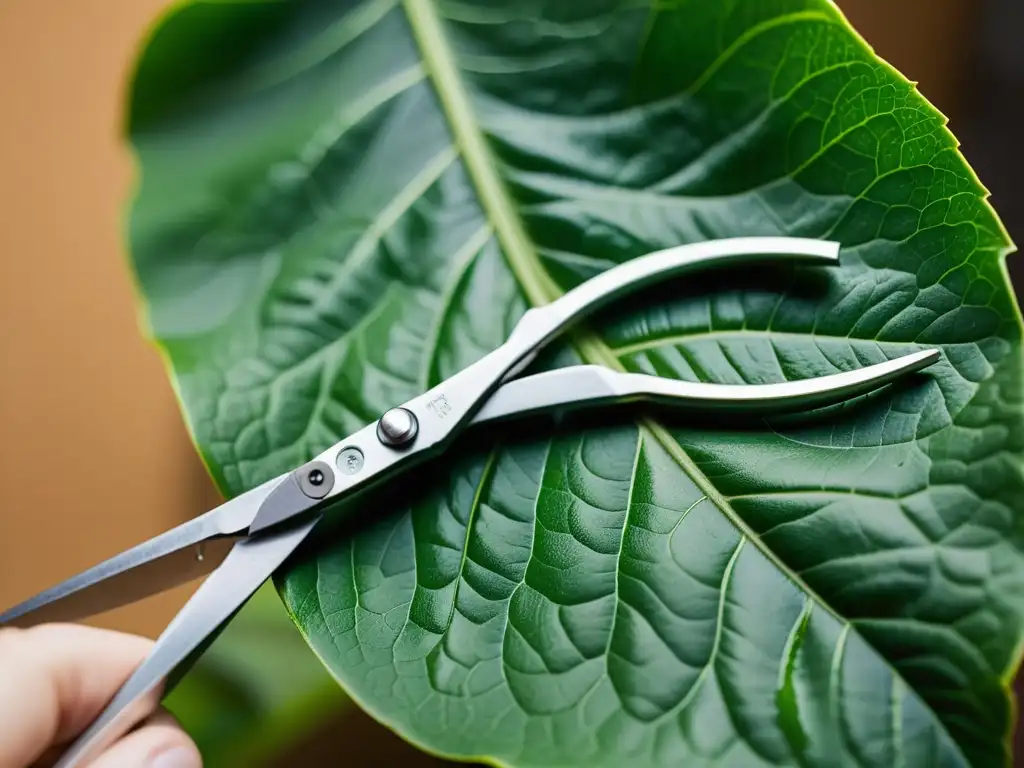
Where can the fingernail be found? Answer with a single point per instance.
(179, 757)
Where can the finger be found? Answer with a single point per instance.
(159, 743)
(55, 679)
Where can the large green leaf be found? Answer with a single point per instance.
(342, 203)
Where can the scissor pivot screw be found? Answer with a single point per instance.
(350, 460)
(316, 479)
(397, 427)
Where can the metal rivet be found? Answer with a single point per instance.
(350, 460)
(397, 427)
(315, 479)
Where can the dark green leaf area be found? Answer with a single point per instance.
(584, 599)
(897, 511)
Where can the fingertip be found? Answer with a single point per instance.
(177, 757)
(159, 743)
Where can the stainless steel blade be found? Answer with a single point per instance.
(122, 581)
(247, 566)
(587, 386)
(175, 557)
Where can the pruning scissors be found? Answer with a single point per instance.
(243, 541)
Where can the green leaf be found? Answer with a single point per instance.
(343, 203)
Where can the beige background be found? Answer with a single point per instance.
(93, 455)
(76, 374)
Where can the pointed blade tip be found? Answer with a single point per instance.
(830, 251)
(918, 361)
(928, 357)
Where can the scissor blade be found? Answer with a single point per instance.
(587, 386)
(171, 559)
(156, 566)
(247, 566)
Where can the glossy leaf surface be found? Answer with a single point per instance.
(343, 203)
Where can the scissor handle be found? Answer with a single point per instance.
(424, 426)
(636, 274)
(589, 386)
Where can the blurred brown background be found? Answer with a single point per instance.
(75, 367)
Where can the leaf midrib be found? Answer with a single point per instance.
(523, 259)
(537, 284)
(437, 56)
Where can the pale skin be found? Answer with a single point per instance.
(55, 678)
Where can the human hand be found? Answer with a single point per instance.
(56, 678)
